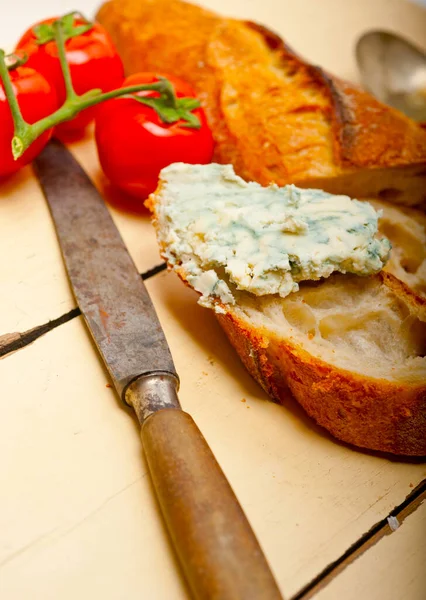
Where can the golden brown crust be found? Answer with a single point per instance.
(273, 115)
(367, 132)
(372, 134)
(370, 413)
(291, 123)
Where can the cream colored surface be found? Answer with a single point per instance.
(33, 285)
(77, 514)
(322, 30)
(78, 519)
(393, 569)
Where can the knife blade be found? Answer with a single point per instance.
(218, 551)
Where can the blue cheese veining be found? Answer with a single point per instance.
(225, 233)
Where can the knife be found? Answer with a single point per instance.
(218, 551)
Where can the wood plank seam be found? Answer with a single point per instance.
(366, 541)
(11, 342)
(375, 534)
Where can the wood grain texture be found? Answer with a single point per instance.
(219, 553)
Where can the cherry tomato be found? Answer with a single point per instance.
(37, 99)
(93, 60)
(134, 144)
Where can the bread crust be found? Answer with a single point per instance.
(366, 132)
(325, 133)
(365, 411)
(274, 116)
(371, 413)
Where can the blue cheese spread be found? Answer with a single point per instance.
(224, 233)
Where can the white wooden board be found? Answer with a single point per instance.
(77, 502)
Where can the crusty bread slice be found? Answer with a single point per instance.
(274, 116)
(352, 352)
(350, 349)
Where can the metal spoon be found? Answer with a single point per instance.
(393, 70)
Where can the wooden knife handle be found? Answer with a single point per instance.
(219, 552)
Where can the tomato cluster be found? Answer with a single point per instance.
(93, 61)
(134, 143)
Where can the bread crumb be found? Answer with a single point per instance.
(243, 400)
(108, 385)
(393, 523)
(411, 485)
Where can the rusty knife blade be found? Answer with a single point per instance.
(106, 284)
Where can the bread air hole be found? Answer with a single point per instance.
(411, 247)
(406, 230)
(416, 334)
(374, 331)
(353, 322)
(301, 316)
(365, 317)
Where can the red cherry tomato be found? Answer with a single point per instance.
(93, 60)
(134, 144)
(37, 99)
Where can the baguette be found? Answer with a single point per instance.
(350, 349)
(274, 116)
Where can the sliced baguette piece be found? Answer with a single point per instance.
(274, 116)
(350, 349)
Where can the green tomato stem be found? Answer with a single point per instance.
(14, 61)
(26, 134)
(21, 126)
(159, 86)
(60, 43)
